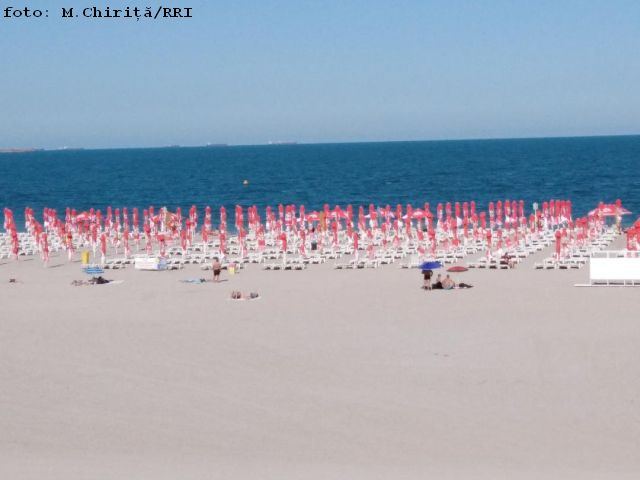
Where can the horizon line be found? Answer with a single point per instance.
(302, 143)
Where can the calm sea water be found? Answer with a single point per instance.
(584, 170)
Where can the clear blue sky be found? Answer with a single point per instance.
(321, 71)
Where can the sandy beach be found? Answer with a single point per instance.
(326, 161)
(330, 374)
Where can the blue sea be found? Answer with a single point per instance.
(585, 170)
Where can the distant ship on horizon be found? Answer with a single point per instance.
(280, 142)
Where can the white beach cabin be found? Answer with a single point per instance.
(615, 268)
(150, 263)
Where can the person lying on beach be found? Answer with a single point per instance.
(449, 284)
(92, 281)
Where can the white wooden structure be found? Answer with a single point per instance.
(615, 268)
(150, 263)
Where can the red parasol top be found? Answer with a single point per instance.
(610, 210)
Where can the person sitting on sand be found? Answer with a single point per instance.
(448, 283)
(217, 267)
(438, 284)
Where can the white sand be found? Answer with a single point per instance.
(330, 375)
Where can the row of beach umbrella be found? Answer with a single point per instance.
(503, 225)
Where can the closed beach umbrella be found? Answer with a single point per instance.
(558, 243)
(109, 219)
(492, 215)
(507, 213)
(69, 244)
(103, 247)
(205, 234)
(222, 239)
(432, 241)
(147, 233)
(125, 239)
(428, 215)
(454, 232)
(183, 241)
(45, 248)
(163, 244)
(15, 244)
(303, 240)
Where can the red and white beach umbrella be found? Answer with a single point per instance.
(222, 239)
(609, 210)
(45, 247)
(163, 244)
(125, 240)
(183, 241)
(103, 246)
(356, 245)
